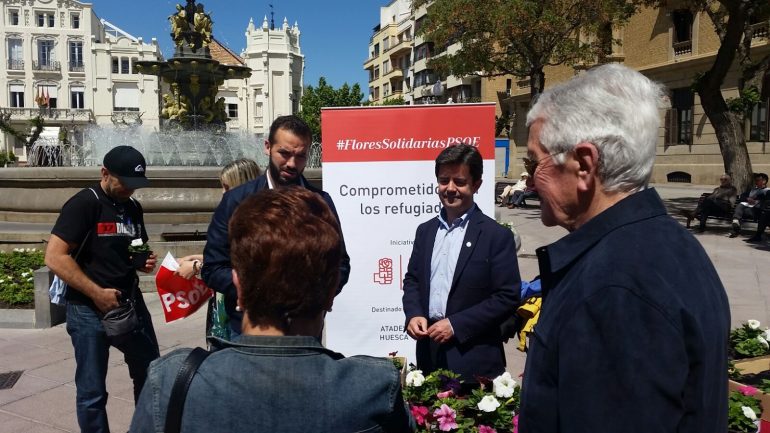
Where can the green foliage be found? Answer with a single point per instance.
(749, 340)
(737, 421)
(6, 157)
(395, 101)
(443, 387)
(517, 37)
(749, 97)
(733, 372)
(503, 125)
(36, 123)
(324, 95)
(16, 275)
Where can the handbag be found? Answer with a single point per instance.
(179, 391)
(121, 321)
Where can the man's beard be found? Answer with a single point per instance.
(275, 174)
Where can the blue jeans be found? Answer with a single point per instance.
(92, 349)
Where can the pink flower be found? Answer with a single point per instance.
(446, 418)
(419, 413)
(445, 394)
(515, 422)
(485, 429)
(749, 391)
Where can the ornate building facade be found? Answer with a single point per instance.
(63, 63)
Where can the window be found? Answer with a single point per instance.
(376, 72)
(76, 56)
(45, 53)
(115, 65)
(15, 54)
(385, 89)
(124, 65)
(679, 120)
(50, 20)
(17, 95)
(133, 65)
(682, 25)
(758, 122)
(75, 20)
(508, 84)
(423, 51)
(41, 20)
(77, 99)
(376, 50)
(13, 18)
(48, 93)
(126, 97)
(232, 111)
(385, 67)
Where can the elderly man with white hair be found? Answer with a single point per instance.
(633, 331)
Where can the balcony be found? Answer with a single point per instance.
(77, 67)
(682, 48)
(65, 114)
(394, 74)
(49, 66)
(404, 46)
(15, 65)
(760, 30)
(369, 63)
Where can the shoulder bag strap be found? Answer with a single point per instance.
(85, 239)
(179, 391)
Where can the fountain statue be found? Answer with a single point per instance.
(192, 74)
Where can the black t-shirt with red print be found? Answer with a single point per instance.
(110, 227)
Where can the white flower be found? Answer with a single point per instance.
(749, 413)
(31, 279)
(488, 404)
(766, 335)
(504, 385)
(763, 342)
(753, 324)
(24, 274)
(415, 378)
(139, 243)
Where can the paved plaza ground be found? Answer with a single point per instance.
(43, 400)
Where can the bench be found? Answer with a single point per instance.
(724, 215)
(500, 186)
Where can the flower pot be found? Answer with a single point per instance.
(139, 259)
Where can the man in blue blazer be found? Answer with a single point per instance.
(287, 146)
(463, 277)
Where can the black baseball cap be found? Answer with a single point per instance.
(128, 165)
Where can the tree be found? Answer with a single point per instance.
(324, 95)
(732, 21)
(518, 37)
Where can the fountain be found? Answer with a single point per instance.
(192, 134)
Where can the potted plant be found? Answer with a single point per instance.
(140, 252)
(743, 411)
(440, 401)
(749, 340)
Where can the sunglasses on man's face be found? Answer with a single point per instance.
(530, 165)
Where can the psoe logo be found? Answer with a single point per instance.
(384, 274)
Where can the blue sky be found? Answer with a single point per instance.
(334, 35)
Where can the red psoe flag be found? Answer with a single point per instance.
(179, 297)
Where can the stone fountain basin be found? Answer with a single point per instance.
(177, 195)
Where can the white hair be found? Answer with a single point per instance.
(613, 107)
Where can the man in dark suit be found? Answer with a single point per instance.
(463, 277)
(287, 146)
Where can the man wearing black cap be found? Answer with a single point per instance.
(88, 249)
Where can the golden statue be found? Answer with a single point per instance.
(202, 24)
(179, 24)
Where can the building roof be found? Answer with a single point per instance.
(224, 55)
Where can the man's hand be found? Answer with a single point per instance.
(751, 201)
(149, 265)
(417, 328)
(106, 299)
(441, 331)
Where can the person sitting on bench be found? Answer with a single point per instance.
(749, 203)
(518, 197)
(721, 201)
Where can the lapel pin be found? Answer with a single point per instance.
(468, 244)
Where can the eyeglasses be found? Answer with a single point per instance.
(530, 165)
